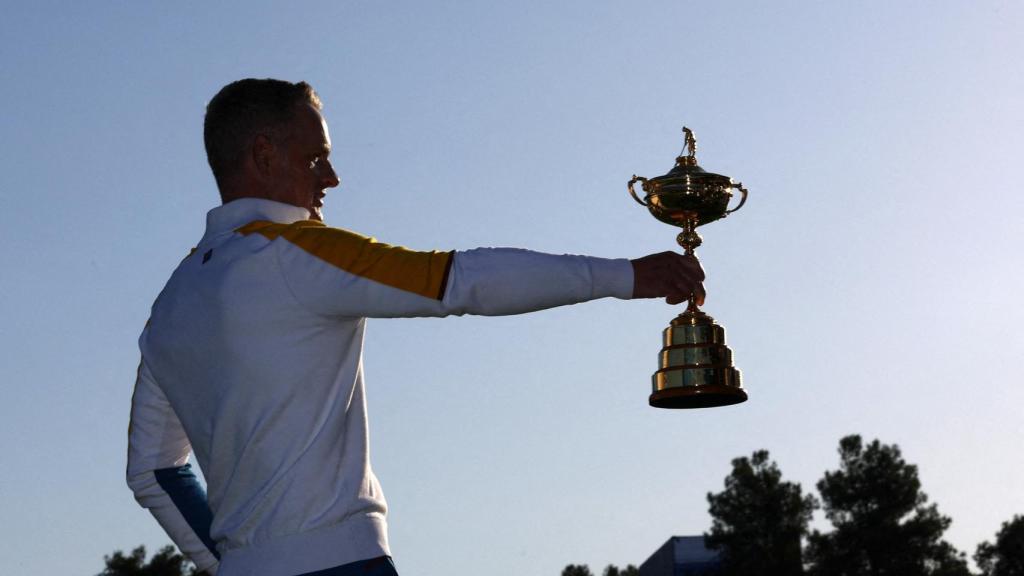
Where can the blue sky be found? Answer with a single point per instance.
(870, 285)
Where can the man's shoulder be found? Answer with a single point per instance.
(301, 231)
(269, 227)
(336, 245)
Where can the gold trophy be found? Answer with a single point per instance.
(695, 366)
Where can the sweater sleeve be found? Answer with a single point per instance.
(160, 476)
(502, 281)
(340, 273)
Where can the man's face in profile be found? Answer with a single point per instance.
(304, 171)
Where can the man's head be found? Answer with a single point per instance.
(267, 139)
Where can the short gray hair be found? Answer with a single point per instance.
(241, 110)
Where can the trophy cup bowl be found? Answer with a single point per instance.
(695, 364)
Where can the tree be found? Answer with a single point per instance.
(166, 562)
(882, 523)
(758, 521)
(1006, 556)
(609, 570)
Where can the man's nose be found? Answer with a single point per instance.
(329, 178)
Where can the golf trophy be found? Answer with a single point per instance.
(695, 366)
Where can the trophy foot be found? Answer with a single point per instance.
(693, 316)
(701, 396)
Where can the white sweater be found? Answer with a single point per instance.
(252, 359)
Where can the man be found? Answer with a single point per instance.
(252, 356)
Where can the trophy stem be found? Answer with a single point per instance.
(689, 239)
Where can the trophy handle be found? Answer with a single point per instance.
(635, 179)
(739, 186)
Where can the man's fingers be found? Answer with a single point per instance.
(689, 277)
(694, 266)
(689, 281)
(676, 277)
(697, 293)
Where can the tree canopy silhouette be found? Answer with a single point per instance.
(613, 570)
(609, 570)
(758, 520)
(1005, 557)
(166, 562)
(882, 523)
(577, 570)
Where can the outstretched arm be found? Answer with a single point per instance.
(339, 273)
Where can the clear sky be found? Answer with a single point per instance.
(870, 285)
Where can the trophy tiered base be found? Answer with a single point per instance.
(696, 369)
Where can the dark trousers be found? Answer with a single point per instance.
(380, 566)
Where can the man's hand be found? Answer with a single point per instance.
(670, 275)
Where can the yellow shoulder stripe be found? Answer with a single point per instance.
(423, 273)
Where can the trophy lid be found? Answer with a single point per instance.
(686, 162)
(685, 172)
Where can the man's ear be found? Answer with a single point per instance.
(263, 154)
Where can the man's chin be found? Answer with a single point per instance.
(316, 214)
